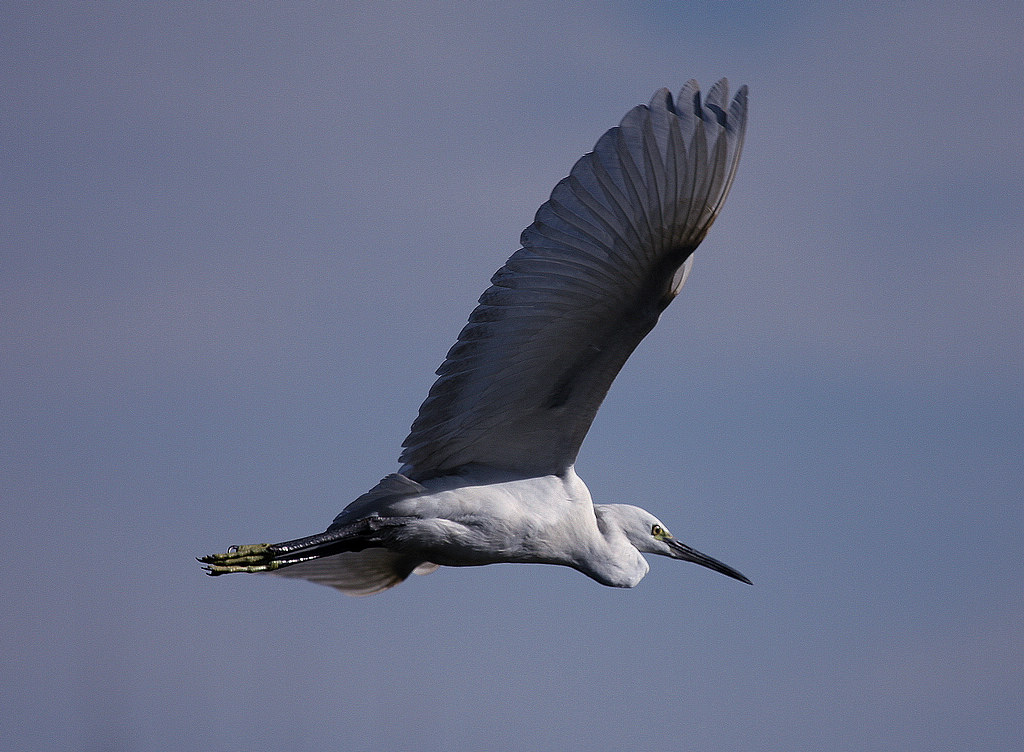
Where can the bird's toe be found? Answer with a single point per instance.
(252, 558)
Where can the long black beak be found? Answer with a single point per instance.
(684, 552)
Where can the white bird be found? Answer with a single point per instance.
(488, 467)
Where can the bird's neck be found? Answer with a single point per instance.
(614, 561)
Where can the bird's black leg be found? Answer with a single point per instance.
(266, 557)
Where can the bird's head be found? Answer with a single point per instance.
(650, 536)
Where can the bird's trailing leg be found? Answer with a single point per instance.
(266, 557)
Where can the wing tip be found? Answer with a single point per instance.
(714, 105)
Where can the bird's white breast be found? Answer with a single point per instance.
(488, 517)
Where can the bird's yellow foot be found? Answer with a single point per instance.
(258, 557)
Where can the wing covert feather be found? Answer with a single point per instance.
(604, 256)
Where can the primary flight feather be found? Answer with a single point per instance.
(487, 470)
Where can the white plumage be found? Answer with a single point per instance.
(487, 473)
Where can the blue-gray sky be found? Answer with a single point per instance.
(237, 239)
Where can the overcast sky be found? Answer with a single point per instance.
(236, 239)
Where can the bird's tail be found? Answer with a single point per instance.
(365, 572)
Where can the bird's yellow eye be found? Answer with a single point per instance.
(658, 531)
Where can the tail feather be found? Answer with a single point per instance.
(365, 572)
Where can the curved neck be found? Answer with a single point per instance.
(614, 561)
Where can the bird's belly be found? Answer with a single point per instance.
(468, 542)
(533, 520)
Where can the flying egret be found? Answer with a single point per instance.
(487, 470)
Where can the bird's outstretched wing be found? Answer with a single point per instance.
(604, 256)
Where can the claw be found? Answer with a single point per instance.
(214, 570)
